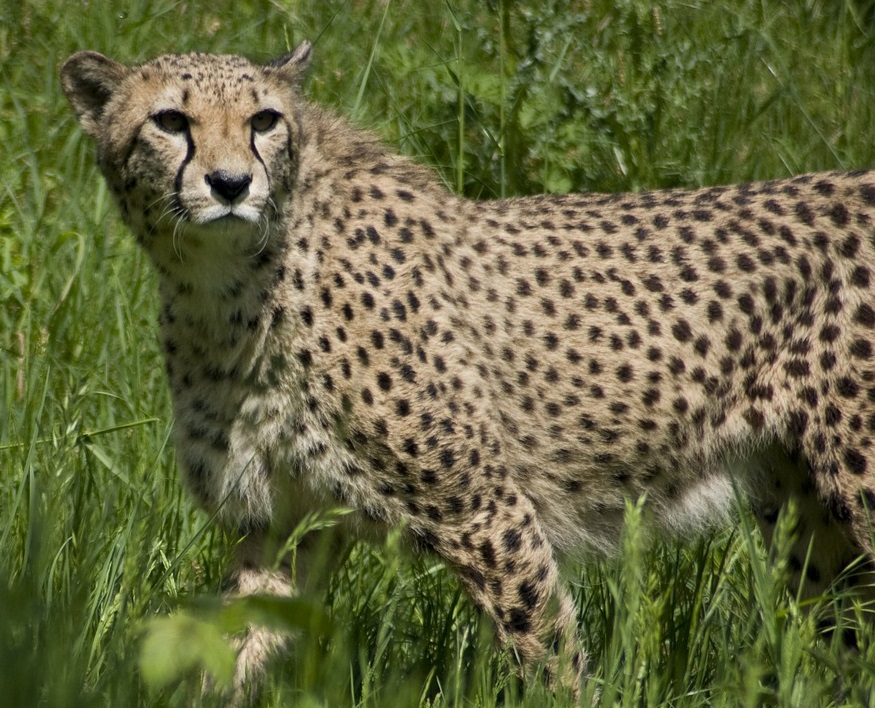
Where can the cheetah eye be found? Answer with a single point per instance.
(171, 121)
(264, 121)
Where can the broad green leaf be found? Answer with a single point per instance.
(177, 645)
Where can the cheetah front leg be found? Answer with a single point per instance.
(255, 572)
(506, 563)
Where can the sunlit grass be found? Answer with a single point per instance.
(501, 98)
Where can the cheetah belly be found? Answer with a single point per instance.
(703, 503)
(708, 501)
(704, 500)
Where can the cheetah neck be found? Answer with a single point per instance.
(223, 318)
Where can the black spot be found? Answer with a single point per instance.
(829, 333)
(410, 447)
(860, 277)
(384, 381)
(746, 304)
(797, 368)
(653, 284)
(625, 373)
(682, 331)
(832, 415)
(867, 192)
(828, 361)
(676, 366)
(399, 310)
(865, 315)
(847, 387)
(512, 540)
(715, 311)
(723, 289)
(745, 263)
(839, 214)
(855, 461)
(798, 422)
(804, 213)
(861, 349)
(518, 621)
(755, 418)
(716, 264)
(487, 553)
(528, 594)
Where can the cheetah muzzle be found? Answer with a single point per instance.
(499, 377)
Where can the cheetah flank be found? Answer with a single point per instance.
(498, 377)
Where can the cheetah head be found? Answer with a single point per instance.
(198, 150)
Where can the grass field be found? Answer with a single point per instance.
(99, 547)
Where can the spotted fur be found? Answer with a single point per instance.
(497, 376)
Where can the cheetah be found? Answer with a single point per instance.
(497, 378)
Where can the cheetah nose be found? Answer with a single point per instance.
(228, 186)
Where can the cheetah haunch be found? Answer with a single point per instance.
(499, 376)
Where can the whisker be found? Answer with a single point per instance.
(161, 198)
(178, 231)
(176, 213)
(168, 207)
(263, 224)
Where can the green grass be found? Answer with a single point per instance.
(96, 538)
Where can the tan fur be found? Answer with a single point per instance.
(502, 376)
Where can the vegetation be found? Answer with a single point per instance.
(107, 571)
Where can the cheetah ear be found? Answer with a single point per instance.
(294, 64)
(89, 79)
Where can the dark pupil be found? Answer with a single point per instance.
(264, 120)
(173, 121)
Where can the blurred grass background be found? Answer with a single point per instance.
(501, 98)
